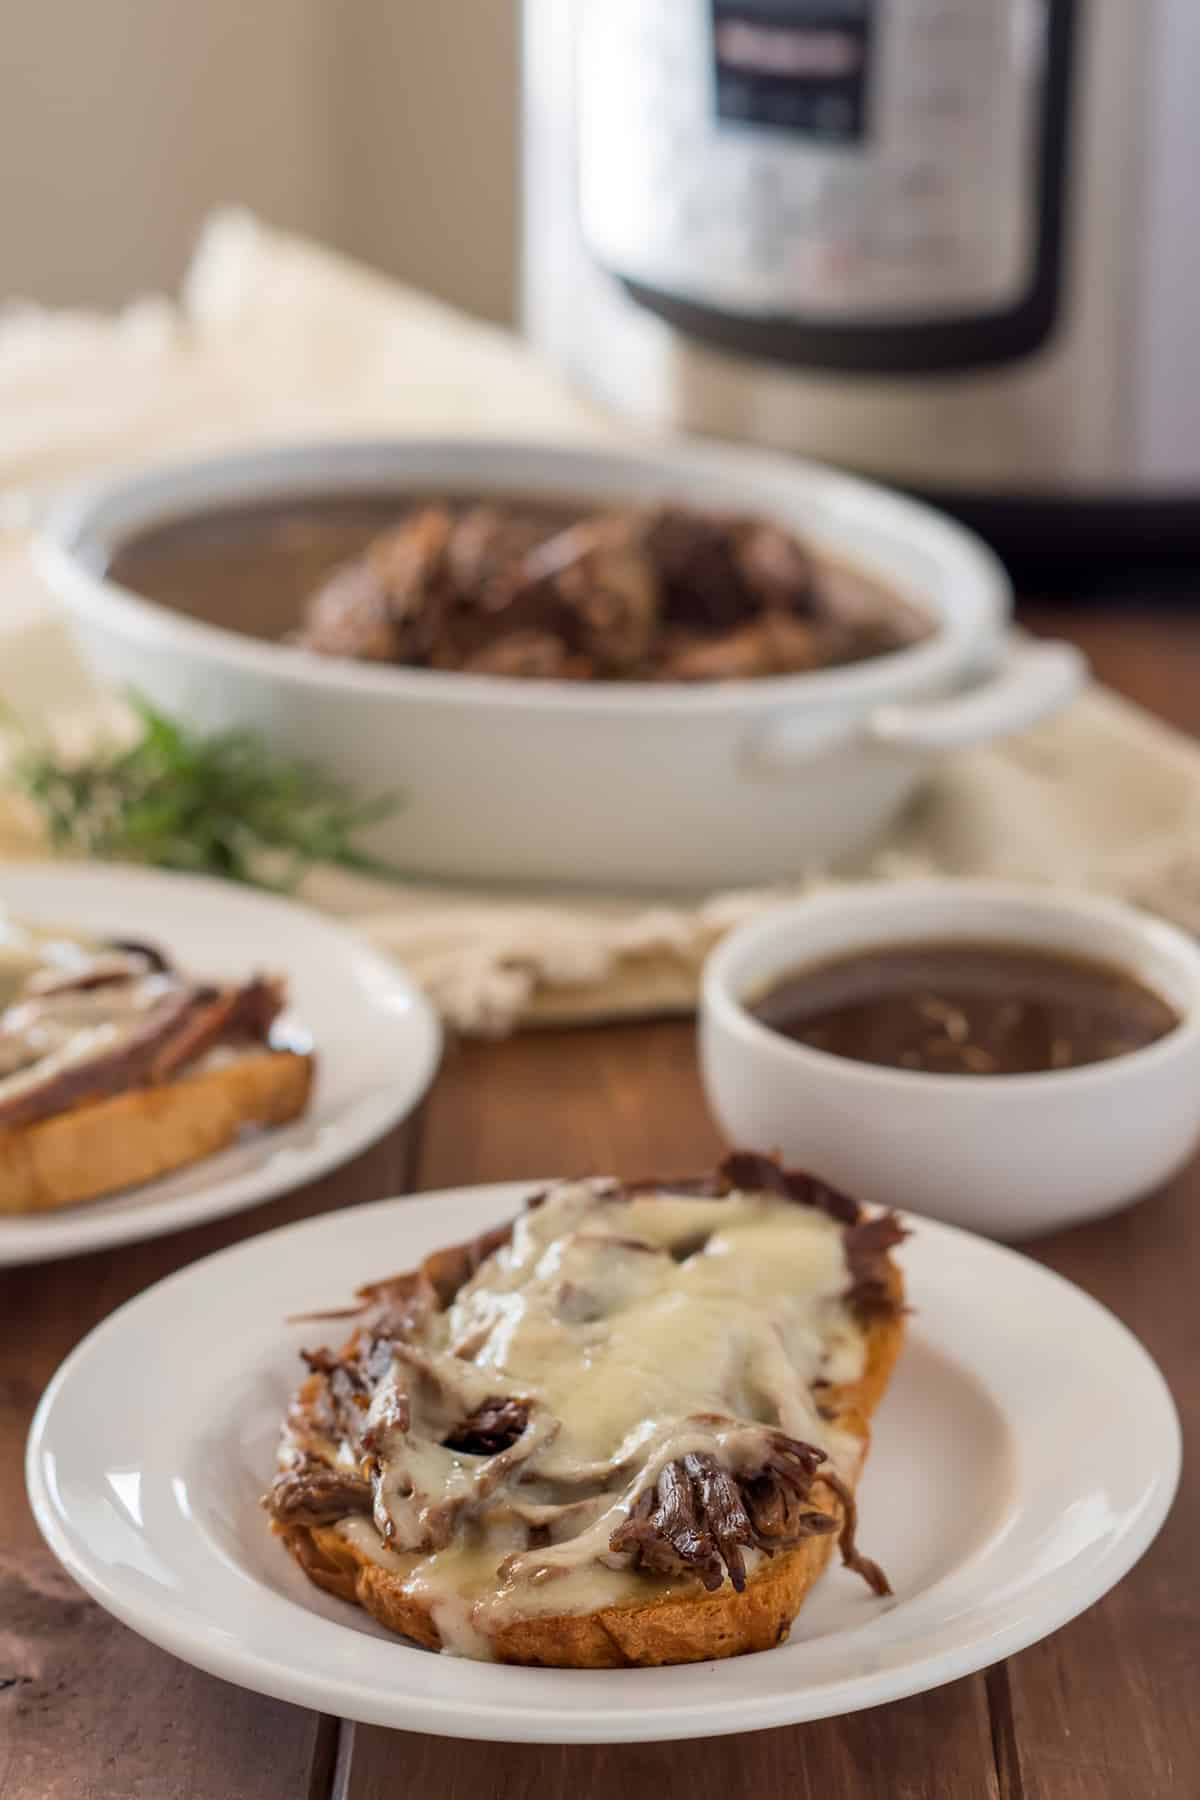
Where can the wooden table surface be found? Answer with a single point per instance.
(1103, 1710)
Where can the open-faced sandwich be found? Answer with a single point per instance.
(624, 1429)
(115, 1068)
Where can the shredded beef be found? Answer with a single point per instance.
(484, 547)
(409, 563)
(867, 1239)
(349, 1379)
(666, 1532)
(669, 594)
(720, 1504)
(128, 1065)
(531, 655)
(395, 1308)
(351, 617)
(315, 1494)
(494, 1426)
(718, 571)
(699, 1515)
(754, 1173)
(242, 1015)
(153, 958)
(181, 1022)
(449, 1270)
(768, 646)
(342, 1402)
(867, 1247)
(853, 1558)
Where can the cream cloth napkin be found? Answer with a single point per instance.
(276, 338)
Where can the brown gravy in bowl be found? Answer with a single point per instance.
(967, 1009)
(521, 586)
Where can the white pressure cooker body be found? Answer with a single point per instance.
(952, 242)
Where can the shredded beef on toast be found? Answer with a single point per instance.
(119, 1020)
(710, 1514)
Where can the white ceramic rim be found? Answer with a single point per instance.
(874, 903)
(82, 529)
(89, 1227)
(338, 1670)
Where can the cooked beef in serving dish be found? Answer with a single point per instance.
(525, 588)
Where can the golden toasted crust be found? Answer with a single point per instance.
(693, 1626)
(95, 1149)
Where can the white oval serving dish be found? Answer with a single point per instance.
(1010, 1155)
(641, 784)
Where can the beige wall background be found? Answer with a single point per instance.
(386, 127)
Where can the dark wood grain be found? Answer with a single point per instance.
(1094, 1711)
(86, 1707)
(1095, 1708)
(622, 1100)
(936, 1747)
(1101, 1711)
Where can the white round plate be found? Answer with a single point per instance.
(376, 1038)
(992, 1495)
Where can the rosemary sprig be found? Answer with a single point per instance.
(215, 804)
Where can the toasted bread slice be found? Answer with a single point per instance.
(684, 1623)
(137, 1136)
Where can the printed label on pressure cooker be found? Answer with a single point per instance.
(798, 66)
(839, 160)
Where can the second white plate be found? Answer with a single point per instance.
(992, 1495)
(376, 1038)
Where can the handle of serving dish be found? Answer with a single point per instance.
(1031, 681)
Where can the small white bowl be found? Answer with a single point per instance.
(1009, 1155)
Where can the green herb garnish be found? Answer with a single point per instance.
(216, 804)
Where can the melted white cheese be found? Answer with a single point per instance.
(740, 1326)
(27, 948)
(46, 1035)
